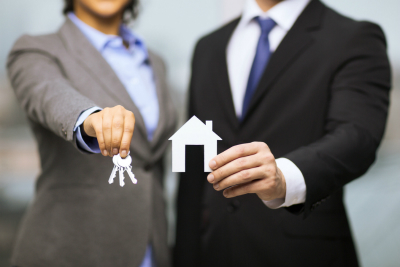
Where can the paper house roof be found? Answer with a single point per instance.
(195, 132)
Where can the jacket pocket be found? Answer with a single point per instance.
(317, 225)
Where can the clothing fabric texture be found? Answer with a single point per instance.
(77, 218)
(321, 103)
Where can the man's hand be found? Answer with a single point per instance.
(113, 128)
(248, 168)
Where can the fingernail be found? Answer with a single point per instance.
(123, 153)
(216, 186)
(210, 178)
(213, 164)
(225, 194)
(105, 153)
(115, 151)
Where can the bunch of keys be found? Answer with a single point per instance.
(122, 165)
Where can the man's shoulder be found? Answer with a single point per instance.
(218, 36)
(343, 25)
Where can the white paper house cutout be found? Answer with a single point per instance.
(193, 132)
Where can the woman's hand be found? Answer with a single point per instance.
(248, 168)
(113, 128)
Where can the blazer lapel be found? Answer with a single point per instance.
(158, 76)
(296, 41)
(222, 76)
(98, 67)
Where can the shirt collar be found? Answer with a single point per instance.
(100, 40)
(284, 13)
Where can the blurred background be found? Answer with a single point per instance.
(171, 28)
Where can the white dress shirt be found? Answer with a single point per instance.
(241, 51)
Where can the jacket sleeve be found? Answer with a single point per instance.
(356, 118)
(43, 90)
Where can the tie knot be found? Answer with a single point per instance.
(266, 25)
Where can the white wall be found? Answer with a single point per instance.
(25, 16)
(172, 27)
(231, 9)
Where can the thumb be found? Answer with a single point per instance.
(88, 127)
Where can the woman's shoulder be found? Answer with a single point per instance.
(41, 43)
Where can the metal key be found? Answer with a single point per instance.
(121, 176)
(114, 171)
(126, 164)
(131, 175)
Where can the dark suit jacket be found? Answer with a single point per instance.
(77, 218)
(322, 103)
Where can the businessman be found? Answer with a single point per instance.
(299, 95)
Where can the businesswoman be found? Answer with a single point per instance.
(90, 91)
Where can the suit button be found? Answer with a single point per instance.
(230, 208)
(236, 203)
(147, 167)
(233, 206)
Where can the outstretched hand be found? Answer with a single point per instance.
(247, 168)
(113, 128)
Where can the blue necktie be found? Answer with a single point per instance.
(261, 59)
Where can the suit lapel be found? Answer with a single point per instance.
(296, 41)
(94, 63)
(222, 76)
(158, 76)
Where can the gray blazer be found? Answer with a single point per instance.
(77, 218)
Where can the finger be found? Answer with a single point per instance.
(247, 188)
(233, 167)
(97, 125)
(233, 153)
(242, 177)
(107, 124)
(116, 131)
(129, 126)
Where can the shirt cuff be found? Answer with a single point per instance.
(88, 144)
(295, 185)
